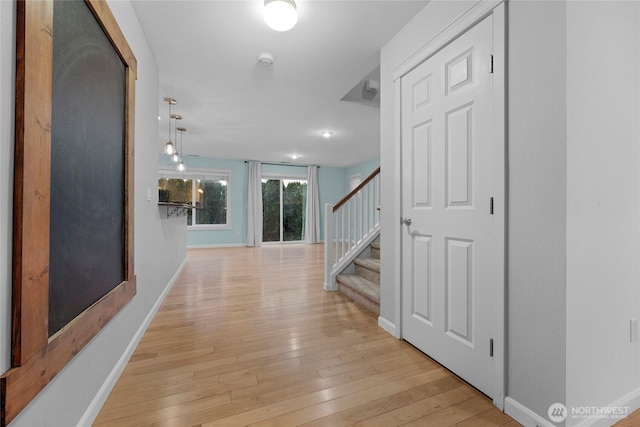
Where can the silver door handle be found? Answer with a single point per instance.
(405, 221)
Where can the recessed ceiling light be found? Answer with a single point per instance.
(294, 156)
(326, 133)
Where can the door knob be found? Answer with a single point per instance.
(405, 221)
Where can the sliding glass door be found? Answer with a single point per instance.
(283, 209)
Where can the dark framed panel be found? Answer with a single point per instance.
(43, 339)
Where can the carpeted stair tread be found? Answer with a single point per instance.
(361, 285)
(369, 263)
(375, 245)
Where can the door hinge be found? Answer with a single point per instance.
(491, 347)
(491, 64)
(491, 205)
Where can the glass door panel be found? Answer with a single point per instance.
(271, 210)
(283, 209)
(294, 195)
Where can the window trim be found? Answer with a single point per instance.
(194, 175)
(287, 176)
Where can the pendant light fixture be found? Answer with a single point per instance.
(175, 157)
(280, 15)
(181, 166)
(169, 148)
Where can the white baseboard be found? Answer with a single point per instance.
(329, 288)
(524, 415)
(630, 401)
(528, 418)
(388, 326)
(222, 245)
(96, 404)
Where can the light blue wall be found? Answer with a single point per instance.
(331, 188)
(333, 184)
(364, 169)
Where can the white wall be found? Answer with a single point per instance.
(603, 201)
(536, 206)
(536, 190)
(574, 199)
(159, 243)
(7, 76)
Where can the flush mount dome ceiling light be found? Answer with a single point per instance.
(326, 133)
(280, 15)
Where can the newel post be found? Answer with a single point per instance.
(329, 221)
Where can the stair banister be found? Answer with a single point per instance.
(356, 190)
(350, 225)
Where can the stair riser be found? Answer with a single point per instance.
(374, 276)
(375, 253)
(360, 288)
(360, 299)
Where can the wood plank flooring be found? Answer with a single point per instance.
(247, 336)
(633, 420)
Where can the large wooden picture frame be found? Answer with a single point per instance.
(37, 357)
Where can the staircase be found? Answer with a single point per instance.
(351, 244)
(362, 285)
(349, 227)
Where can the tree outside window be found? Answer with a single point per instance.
(283, 209)
(208, 193)
(175, 190)
(211, 202)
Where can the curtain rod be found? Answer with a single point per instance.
(283, 164)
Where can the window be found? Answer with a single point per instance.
(206, 191)
(283, 209)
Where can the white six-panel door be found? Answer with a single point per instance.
(446, 193)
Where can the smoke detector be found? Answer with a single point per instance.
(265, 59)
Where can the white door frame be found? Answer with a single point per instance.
(480, 10)
(352, 178)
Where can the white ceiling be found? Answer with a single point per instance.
(236, 108)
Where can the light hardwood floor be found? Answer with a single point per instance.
(247, 336)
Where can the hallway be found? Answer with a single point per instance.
(247, 336)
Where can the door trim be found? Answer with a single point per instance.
(500, 205)
(480, 10)
(476, 13)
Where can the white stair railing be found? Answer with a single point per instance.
(350, 225)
